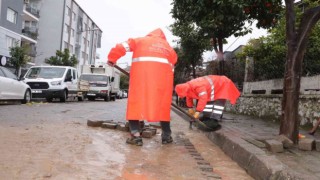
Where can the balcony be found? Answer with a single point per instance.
(33, 11)
(30, 13)
(31, 32)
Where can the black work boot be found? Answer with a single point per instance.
(167, 140)
(135, 140)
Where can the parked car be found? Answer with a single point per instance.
(120, 94)
(124, 94)
(11, 88)
(55, 82)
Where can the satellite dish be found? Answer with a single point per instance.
(3, 61)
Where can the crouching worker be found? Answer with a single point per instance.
(211, 91)
(151, 82)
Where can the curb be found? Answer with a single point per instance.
(257, 163)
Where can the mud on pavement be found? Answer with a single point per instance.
(69, 149)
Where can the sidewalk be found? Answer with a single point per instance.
(235, 139)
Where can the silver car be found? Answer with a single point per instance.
(11, 88)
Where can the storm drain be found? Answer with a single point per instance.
(202, 164)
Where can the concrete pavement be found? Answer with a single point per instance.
(241, 138)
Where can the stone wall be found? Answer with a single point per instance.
(269, 106)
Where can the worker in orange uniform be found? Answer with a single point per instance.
(211, 91)
(151, 82)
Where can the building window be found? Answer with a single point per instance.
(83, 55)
(68, 11)
(71, 49)
(65, 45)
(12, 16)
(74, 16)
(72, 32)
(66, 27)
(11, 42)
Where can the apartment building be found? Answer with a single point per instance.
(18, 26)
(10, 27)
(64, 24)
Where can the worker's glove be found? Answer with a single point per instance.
(110, 63)
(196, 115)
(191, 111)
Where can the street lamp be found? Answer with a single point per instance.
(78, 45)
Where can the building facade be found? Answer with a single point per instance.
(10, 26)
(65, 25)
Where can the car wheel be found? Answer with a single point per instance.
(27, 97)
(107, 98)
(64, 97)
(80, 98)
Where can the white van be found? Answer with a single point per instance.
(53, 82)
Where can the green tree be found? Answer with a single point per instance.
(124, 81)
(62, 58)
(192, 44)
(19, 57)
(219, 19)
(182, 68)
(272, 65)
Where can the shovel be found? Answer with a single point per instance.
(173, 105)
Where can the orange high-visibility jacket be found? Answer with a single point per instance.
(208, 88)
(151, 76)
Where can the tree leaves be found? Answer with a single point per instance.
(62, 58)
(19, 56)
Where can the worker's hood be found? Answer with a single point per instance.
(157, 33)
(182, 89)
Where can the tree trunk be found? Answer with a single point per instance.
(290, 101)
(220, 56)
(296, 43)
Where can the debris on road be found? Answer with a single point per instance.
(148, 130)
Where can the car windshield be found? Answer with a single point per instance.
(46, 72)
(94, 78)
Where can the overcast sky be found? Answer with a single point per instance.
(123, 19)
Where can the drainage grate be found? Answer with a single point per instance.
(202, 164)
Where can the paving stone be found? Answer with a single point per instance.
(306, 144)
(146, 134)
(109, 125)
(153, 130)
(264, 167)
(122, 127)
(255, 142)
(287, 143)
(95, 123)
(243, 155)
(274, 146)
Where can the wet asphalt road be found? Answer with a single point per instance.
(52, 140)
